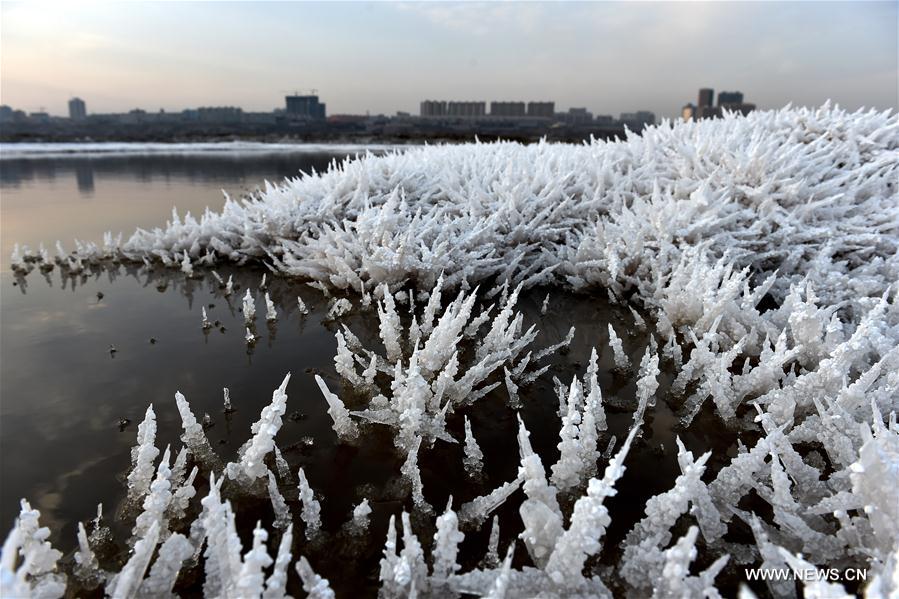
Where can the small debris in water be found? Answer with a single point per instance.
(152, 340)
(123, 423)
(296, 416)
(112, 349)
(99, 295)
(207, 421)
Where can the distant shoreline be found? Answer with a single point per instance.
(9, 135)
(55, 148)
(24, 150)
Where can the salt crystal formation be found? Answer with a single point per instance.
(427, 380)
(251, 465)
(359, 521)
(582, 422)
(474, 457)
(764, 253)
(142, 457)
(311, 507)
(339, 308)
(271, 314)
(249, 308)
(621, 359)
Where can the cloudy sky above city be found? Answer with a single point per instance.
(609, 57)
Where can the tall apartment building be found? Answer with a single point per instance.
(731, 101)
(726, 98)
(466, 109)
(576, 116)
(77, 109)
(507, 109)
(542, 109)
(432, 108)
(305, 107)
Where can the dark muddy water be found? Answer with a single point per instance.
(69, 408)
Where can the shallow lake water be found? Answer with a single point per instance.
(69, 408)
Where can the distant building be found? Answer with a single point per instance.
(604, 119)
(726, 98)
(11, 115)
(219, 114)
(576, 116)
(542, 109)
(507, 109)
(727, 101)
(135, 116)
(636, 121)
(466, 109)
(733, 101)
(432, 108)
(305, 107)
(77, 109)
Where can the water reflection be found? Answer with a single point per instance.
(84, 175)
(223, 168)
(43, 198)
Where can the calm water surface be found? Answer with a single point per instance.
(63, 198)
(69, 408)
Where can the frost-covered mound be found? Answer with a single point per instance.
(765, 246)
(804, 192)
(807, 194)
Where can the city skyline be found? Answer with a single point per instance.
(383, 58)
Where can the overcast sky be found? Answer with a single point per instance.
(610, 57)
